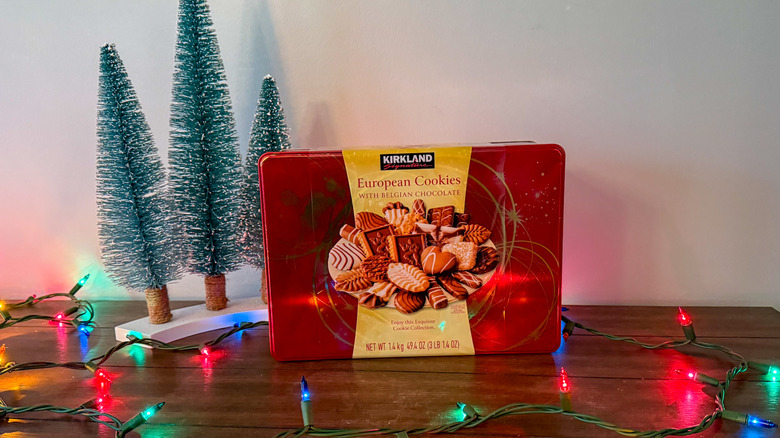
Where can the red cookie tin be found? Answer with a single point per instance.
(515, 190)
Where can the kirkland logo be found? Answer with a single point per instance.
(423, 160)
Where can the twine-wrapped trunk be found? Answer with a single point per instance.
(158, 305)
(215, 292)
(263, 288)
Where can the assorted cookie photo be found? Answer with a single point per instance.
(412, 257)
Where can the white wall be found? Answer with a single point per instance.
(668, 111)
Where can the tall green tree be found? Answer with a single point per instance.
(134, 223)
(269, 133)
(204, 158)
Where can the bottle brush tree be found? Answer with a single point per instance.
(269, 133)
(204, 158)
(134, 222)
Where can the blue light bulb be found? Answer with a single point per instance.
(759, 422)
(304, 389)
(83, 328)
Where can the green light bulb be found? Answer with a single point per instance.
(147, 414)
(78, 285)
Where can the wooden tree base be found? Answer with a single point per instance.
(192, 320)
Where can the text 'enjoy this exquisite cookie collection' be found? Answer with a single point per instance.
(409, 258)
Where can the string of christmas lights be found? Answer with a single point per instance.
(92, 408)
(93, 364)
(80, 316)
(471, 418)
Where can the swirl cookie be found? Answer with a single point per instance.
(407, 277)
(345, 256)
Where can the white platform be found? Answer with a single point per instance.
(192, 320)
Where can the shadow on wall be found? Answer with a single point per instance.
(622, 240)
(318, 128)
(260, 49)
(594, 238)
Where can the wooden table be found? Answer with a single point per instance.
(243, 392)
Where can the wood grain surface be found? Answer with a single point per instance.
(241, 391)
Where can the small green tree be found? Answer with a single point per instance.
(204, 158)
(134, 223)
(269, 133)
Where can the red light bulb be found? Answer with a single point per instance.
(205, 351)
(699, 377)
(564, 382)
(101, 373)
(683, 318)
(690, 374)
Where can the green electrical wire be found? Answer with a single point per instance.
(103, 418)
(99, 360)
(83, 310)
(474, 420)
(529, 409)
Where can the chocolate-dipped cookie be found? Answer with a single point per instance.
(436, 296)
(467, 278)
(453, 287)
(475, 233)
(443, 216)
(487, 259)
(409, 302)
(435, 262)
(366, 220)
